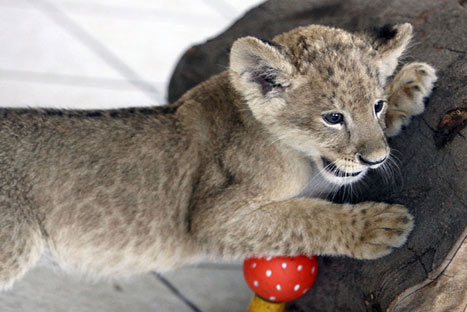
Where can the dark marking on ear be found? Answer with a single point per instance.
(379, 36)
(272, 43)
(266, 79)
(385, 33)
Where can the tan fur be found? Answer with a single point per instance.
(225, 172)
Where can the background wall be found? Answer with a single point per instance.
(101, 53)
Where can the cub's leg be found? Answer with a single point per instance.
(406, 94)
(21, 242)
(228, 227)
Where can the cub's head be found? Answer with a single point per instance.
(320, 90)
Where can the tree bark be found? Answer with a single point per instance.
(445, 289)
(432, 151)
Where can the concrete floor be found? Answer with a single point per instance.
(209, 288)
(104, 54)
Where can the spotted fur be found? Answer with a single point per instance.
(232, 169)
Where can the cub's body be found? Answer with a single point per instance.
(225, 172)
(113, 191)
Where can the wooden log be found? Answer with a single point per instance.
(445, 289)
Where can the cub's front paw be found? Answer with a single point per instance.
(381, 227)
(407, 93)
(411, 86)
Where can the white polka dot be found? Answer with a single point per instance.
(268, 258)
(284, 265)
(313, 270)
(255, 283)
(272, 298)
(278, 287)
(300, 267)
(268, 273)
(253, 265)
(297, 287)
(305, 290)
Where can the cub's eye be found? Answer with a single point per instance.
(379, 106)
(333, 118)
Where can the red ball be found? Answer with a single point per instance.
(280, 279)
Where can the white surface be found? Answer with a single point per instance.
(213, 290)
(43, 290)
(103, 40)
(32, 42)
(83, 54)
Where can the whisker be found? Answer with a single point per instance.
(394, 150)
(314, 183)
(345, 180)
(396, 172)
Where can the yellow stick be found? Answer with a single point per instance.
(258, 304)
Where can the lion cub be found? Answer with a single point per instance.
(228, 171)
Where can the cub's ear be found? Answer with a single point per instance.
(259, 67)
(390, 42)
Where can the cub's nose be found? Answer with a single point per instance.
(371, 162)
